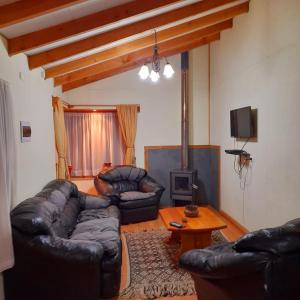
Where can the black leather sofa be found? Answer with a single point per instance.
(263, 264)
(118, 181)
(67, 246)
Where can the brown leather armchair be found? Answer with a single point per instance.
(118, 181)
(263, 264)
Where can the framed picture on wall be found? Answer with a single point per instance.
(25, 131)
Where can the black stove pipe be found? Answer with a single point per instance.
(184, 110)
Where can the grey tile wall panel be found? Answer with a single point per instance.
(204, 160)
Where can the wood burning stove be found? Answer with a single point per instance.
(182, 191)
(183, 179)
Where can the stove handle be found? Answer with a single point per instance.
(195, 187)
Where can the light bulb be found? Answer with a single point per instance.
(144, 72)
(168, 70)
(154, 76)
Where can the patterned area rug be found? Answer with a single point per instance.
(152, 272)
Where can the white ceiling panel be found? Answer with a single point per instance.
(113, 26)
(60, 16)
(134, 37)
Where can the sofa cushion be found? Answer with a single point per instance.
(134, 195)
(96, 202)
(54, 196)
(68, 188)
(70, 214)
(104, 231)
(34, 216)
(123, 173)
(92, 214)
(67, 211)
(124, 186)
(152, 201)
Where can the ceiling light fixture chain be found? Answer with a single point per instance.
(155, 58)
(154, 75)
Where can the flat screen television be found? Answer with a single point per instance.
(241, 122)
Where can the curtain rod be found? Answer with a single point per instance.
(73, 106)
(68, 110)
(104, 105)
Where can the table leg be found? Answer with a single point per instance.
(194, 240)
(174, 238)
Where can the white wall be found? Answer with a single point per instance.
(31, 102)
(160, 117)
(257, 63)
(198, 89)
(86, 185)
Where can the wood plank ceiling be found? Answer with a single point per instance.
(78, 42)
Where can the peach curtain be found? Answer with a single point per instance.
(127, 116)
(60, 139)
(7, 175)
(93, 139)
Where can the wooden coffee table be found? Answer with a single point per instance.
(196, 232)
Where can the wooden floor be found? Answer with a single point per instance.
(231, 233)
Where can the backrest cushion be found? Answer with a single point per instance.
(51, 211)
(278, 240)
(68, 188)
(125, 186)
(34, 216)
(69, 216)
(123, 173)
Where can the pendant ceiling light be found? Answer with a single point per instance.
(144, 72)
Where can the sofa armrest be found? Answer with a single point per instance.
(149, 185)
(222, 261)
(94, 202)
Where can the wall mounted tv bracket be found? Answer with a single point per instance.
(235, 151)
(244, 155)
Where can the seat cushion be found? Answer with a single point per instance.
(134, 195)
(92, 214)
(104, 231)
(152, 201)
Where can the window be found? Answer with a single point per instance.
(93, 139)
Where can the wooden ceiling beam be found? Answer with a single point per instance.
(94, 69)
(134, 60)
(114, 35)
(61, 31)
(146, 41)
(23, 10)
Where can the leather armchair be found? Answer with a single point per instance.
(263, 264)
(114, 182)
